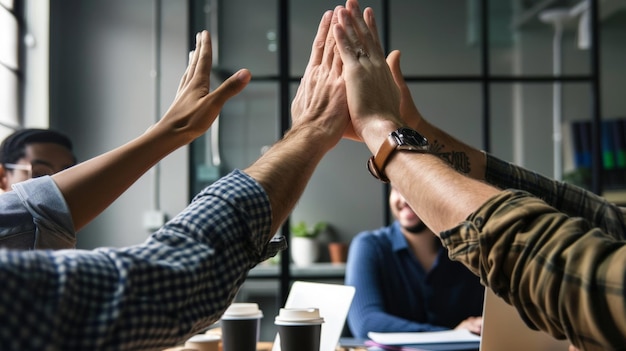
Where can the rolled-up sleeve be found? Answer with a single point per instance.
(35, 216)
(563, 275)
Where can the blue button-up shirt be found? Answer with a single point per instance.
(143, 297)
(395, 294)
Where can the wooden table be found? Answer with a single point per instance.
(261, 346)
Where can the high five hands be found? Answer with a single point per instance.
(376, 95)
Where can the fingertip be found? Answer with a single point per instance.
(327, 17)
(243, 75)
(393, 59)
(233, 85)
(338, 31)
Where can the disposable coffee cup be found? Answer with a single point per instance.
(299, 329)
(241, 327)
(203, 342)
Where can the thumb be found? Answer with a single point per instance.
(393, 61)
(232, 86)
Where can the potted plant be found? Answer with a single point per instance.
(304, 246)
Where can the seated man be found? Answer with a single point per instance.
(405, 281)
(32, 153)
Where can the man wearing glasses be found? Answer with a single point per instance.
(32, 153)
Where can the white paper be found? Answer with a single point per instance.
(438, 337)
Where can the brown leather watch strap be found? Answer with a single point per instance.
(403, 139)
(376, 164)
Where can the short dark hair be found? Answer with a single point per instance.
(13, 147)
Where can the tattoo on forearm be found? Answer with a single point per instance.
(458, 160)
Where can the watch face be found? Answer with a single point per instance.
(406, 136)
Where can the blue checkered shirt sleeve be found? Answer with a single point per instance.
(144, 297)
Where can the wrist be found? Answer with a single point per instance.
(170, 136)
(375, 133)
(401, 139)
(317, 139)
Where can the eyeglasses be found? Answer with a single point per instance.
(33, 171)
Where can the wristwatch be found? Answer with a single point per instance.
(402, 139)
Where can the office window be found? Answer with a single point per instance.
(480, 69)
(9, 68)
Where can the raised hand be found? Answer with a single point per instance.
(91, 186)
(195, 107)
(320, 101)
(372, 94)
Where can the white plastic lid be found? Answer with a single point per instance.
(243, 310)
(299, 316)
(202, 338)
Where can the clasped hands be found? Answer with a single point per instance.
(349, 78)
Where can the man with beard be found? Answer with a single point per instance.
(405, 281)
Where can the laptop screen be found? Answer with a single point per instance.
(333, 301)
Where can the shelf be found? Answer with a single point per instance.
(317, 270)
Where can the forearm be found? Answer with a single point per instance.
(148, 296)
(285, 169)
(568, 198)
(113, 172)
(440, 196)
(461, 156)
(562, 275)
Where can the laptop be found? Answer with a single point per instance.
(333, 301)
(504, 329)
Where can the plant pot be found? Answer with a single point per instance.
(304, 251)
(338, 252)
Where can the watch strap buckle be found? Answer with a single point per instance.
(374, 171)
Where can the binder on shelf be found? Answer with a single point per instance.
(581, 135)
(618, 133)
(607, 143)
(580, 145)
(613, 152)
